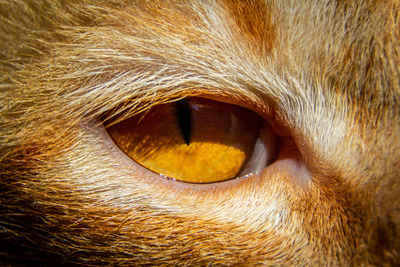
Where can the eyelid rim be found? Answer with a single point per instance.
(265, 108)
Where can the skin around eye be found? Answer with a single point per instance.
(195, 140)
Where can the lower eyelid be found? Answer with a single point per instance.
(132, 186)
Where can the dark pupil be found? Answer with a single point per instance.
(184, 118)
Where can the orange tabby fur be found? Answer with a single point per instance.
(326, 70)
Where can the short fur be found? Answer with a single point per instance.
(327, 70)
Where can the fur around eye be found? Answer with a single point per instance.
(311, 133)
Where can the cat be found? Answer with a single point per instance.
(324, 74)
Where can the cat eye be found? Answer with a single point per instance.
(197, 140)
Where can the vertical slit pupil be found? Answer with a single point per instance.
(184, 119)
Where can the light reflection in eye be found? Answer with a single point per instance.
(193, 140)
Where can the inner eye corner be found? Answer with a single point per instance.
(195, 140)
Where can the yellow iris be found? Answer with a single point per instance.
(195, 140)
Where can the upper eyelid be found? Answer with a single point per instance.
(148, 75)
(132, 102)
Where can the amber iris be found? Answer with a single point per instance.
(192, 140)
